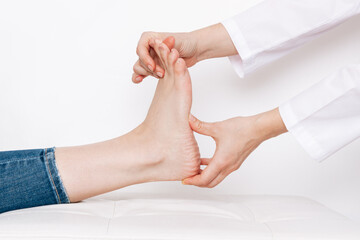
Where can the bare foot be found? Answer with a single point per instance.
(162, 148)
(167, 120)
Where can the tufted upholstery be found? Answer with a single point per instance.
(143, 216)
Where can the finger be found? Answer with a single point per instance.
(169, 42)
(159, 71)
(143, 51)
(155, 44)
(205, 177)
(137, 78)
(139, 69)
(201, 127)
(217, 180)
(148, 73)
(140, 72)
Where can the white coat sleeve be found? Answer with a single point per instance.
(274, 28)
(326, 117)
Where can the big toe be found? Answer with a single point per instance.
(164, 53)
(161, 50)
(182, 76)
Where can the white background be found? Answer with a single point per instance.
(65, 79)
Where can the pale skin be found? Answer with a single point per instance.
(193, 47)
(235, 138)
(162, 148)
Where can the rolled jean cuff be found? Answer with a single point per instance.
(54, 176)
(30, 178)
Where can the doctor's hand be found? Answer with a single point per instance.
(209, 42)
(148, 62)
(235, 139)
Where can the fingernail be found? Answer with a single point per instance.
(157, 41)
(159, 74)
(150, 67)
(138, 78)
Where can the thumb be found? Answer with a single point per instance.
(169, 42)
(201, 127)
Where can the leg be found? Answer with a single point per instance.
(29, 178)
(162, 148)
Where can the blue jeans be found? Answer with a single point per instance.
(30, 178)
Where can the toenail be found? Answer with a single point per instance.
(138, 78)
(159, 74)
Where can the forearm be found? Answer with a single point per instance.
(213, 42)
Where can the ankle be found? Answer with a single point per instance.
(149, 151)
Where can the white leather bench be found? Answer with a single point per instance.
(142, 216)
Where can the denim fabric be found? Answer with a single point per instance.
(30, 178)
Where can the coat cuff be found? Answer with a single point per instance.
(303, 136)
(239, 62)
(325, 117)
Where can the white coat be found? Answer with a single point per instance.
(325, 117)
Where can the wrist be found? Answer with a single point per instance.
(213, 42)
(270, 124)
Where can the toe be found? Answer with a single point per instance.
(173, 56)
(180, 66)
(164, 53)
(156, 45)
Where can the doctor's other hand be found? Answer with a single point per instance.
(235, 139)
(193, 47)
